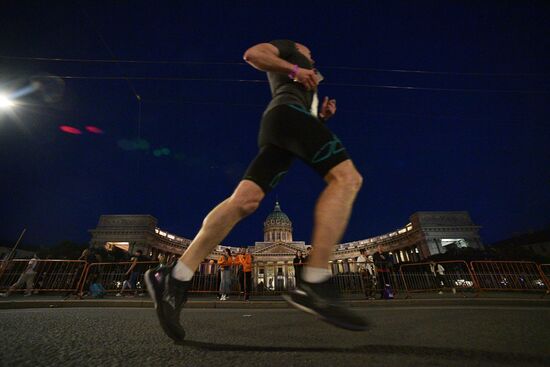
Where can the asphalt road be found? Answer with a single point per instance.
(399, 336)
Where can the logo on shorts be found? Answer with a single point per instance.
(331, 148)
(277, 178)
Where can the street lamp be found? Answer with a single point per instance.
(6, 102)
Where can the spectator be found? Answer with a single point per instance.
(367, 273)
(27, 277)
(162, 260)
(308, 252)
(219, 281)
(245, 273)
(261, 286)
(137, 268)
(438, 273)
(372, 277)
(90, 256)
(361, 261)
(96, 288)
(225, 263)
(213, 272)
(381, 263)
(298, 263)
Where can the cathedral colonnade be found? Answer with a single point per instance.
(426, 234)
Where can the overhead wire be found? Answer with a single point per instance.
(335, 67)
(353, 85)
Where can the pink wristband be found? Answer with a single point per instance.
(294, 71)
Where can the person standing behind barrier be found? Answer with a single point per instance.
(381, 262)
(162, 260)
(90, 256)
(298, 263)
(27, 278)
(361, 261)
(372, 277)
(217, 270)
(365, 270)
(225, 263)
(245, 275)
(137, 268)
(438, 272)
(306, 257)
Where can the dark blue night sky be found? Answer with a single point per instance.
(472, 135)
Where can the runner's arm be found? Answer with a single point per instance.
(265, 57)
(328, 109)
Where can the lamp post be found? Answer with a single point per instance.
(6, 102)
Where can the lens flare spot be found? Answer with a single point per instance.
(94, 129)
(160, 152)
(70, 130)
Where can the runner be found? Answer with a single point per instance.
(292, 127)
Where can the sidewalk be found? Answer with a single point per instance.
(17, 301)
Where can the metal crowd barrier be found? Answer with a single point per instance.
(207, 279)
(74, 276)
(49, 275)
(364, 278)
(509, 276)
(420, 277)
(544, 270)
(112, 275)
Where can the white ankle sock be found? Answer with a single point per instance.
(182, 272)
(315, 275)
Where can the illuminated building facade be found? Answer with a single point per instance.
(426, 234)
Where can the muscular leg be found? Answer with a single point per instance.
(316, 295)
(332, 211)
(169, 290)
(218, 223)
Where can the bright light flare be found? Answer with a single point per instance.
(70, 130)
(6, 102)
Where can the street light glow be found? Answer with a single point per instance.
(5, 102)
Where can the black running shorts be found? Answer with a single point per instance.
(289, 131)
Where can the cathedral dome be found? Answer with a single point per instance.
(277, 226)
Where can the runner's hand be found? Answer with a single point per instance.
(307, 78)
(328, 108)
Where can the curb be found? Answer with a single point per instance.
(487, 302)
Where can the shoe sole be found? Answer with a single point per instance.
(333, 322)
(149, 274)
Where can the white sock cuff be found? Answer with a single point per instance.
(182, 272)
(315, 275)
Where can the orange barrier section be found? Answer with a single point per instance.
(428, 276)
(353, 278)
(544, 269)
(46, 276)
(508, 275)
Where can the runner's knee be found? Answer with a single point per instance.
(347, 177)
(247, 207)
(247, 201)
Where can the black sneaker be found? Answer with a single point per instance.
(169, 295)
(323, 300)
